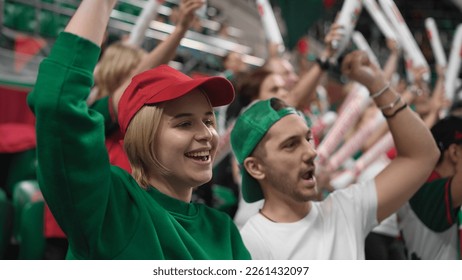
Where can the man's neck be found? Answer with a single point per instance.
(445, 169)
(279, 212)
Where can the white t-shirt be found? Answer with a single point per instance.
(428, 222)
(245, 211)
(424, 243)
(335, 228)
(388, 226)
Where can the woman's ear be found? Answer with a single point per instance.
(254, 168)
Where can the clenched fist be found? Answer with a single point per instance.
(357, 66)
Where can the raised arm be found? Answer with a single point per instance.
(73, 170)
(166, 50)
(392, 62)
(91, 19)
(417, 151)
(428, 106)
(438, 100)
(305, 89)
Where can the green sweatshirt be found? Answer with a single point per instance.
(103, 211)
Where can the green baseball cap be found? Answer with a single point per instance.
(249, 129)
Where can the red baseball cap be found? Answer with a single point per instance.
(165, 83)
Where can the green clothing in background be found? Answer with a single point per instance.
(103, 211)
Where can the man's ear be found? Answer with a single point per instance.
(254, 168)
(454, 153)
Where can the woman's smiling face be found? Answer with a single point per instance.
(187, 140)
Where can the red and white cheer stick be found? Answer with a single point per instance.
(452, 81)
(355, 143)
(380, 148)
(362, 44)
(270, 25)
(435, 42)
(405, 38)
(323, 100)
(351, 97)
(380, 20)
(349, 176)
(347, 18)
(346, 119)
(343, 180)
(147, 15)
(323, 124)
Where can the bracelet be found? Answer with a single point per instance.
(415, 90)
(380, 92)
(323, 63)
(395, 112)
(392, 104)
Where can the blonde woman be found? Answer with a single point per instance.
(171, 142)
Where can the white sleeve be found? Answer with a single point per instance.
(361, 200)
(254, 243)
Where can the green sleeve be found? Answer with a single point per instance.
(74, 172)
(102, 106)
(240, 251)
(433, 205)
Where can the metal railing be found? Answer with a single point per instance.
(157, 30)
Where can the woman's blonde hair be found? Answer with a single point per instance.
(139, 144)
(116, 64)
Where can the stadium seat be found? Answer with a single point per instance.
(22, 167)
(28, 223)
(6, 223)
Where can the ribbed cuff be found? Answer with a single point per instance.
(70, 49)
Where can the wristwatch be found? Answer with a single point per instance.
(323, 63)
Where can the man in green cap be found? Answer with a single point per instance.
(274, 147)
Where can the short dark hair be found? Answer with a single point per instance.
(447, 131)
